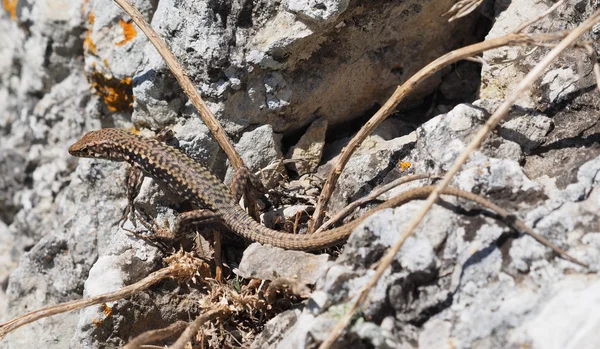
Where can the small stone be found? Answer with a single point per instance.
(309, 149)
(259, 148)
(266, 262)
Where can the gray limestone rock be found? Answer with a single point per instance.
(270, 263)
(282, 63)
(268, 69)
(259, 147)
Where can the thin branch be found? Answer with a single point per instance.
(372, 196)
(533, 20)
(124, 292)
(156, 335)
(185, 83)
(594, 57)
(500, 113)
(195, 325)
(399, 94)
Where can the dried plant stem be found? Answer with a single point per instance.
(218, 252)
(594, 57)
(124, 292)
(500, 113)
(372, 196)
(195, 325)
(156, 335)
(534, 20)
(398, 95)
(185, 83)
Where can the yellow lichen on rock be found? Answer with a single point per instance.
(11, 7)
(117, 93)
(129, 32)
(88, 43)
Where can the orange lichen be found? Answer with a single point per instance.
(106, 309)
(117, 93)
(11, 7)
(128, 32)
(88, 43)
(404, 165)
(106, 63)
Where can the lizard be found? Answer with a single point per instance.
(196, 183)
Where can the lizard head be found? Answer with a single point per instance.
(101, 144)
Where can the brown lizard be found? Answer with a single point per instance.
(194, 182)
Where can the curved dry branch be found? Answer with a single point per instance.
(124, 292)
(398, 95)
(372, 196)
(194, 326)
(156, 335)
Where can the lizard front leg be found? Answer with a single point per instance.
(135, 177)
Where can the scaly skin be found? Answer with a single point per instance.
(194, 182)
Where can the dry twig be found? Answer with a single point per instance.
(156, 335)
(185, 83)
(461, 9)
(182, 266)
(533, 20)
(372, 196)
(195, 325)
(594, 57)
(500, 113)
(124, 292)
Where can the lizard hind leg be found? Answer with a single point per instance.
(195, 217)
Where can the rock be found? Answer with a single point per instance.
(499, 80)
(258, 65)
(307, 152)
(529, 131)
(270, 263)
(319, 11)
(259, 147)
(558, 323)
(367, 167)
(12, 168)
(558, 83)
(380, 231)
(195, 139)
(443, 137)
(274, 329)
(7, 265)
(436, 335)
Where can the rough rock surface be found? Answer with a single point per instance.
(268, 69)
(271, 263)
